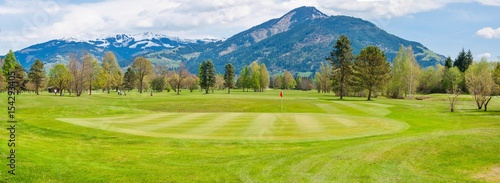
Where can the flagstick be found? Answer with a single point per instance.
(281, 96)
(282, 105)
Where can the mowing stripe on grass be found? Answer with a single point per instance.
(171, 122)
(306, 123)
(214, 124)
(344, 121)
(261, 127)
(330, 109)
(247, 126)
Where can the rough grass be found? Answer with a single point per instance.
(435, 146)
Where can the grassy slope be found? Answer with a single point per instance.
(439, 145)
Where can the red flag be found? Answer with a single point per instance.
(281, 94)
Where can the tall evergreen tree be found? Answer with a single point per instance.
(37, 74)
(448, 63)
(341, 59)
(229, 77)
(129, 79)
(206, 73)
(9, 62)
(20, 78)
(371, 69)
(463, 60)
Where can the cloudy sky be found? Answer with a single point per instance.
(444, 26)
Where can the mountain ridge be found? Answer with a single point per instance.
(297, 41)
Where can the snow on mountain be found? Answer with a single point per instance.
(146, 39)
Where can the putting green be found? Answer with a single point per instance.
(244, 126)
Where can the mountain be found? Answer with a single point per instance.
(301, 39)
(298, 41)
(125, 47)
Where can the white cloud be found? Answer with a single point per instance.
(485, 55)
(488, 32)
(41, 20)
(490, 2)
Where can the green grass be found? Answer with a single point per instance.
(247, 137)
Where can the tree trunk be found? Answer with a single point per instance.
(370, 94)
(206, 90)
(140, 87)
(36, 89)
(341, 88)
(178, 89)
(90, 90)
(486, 104)
(228, 90)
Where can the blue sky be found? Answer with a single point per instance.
(444, 26)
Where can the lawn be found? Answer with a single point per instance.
(248, 137)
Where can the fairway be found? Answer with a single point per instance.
(248, 137)
(244, 126)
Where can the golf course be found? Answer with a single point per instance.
(305, 136)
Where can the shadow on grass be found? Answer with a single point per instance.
(480, 112)
(350, 99)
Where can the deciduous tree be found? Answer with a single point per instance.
(219, 82)
(255, 76)
(288, 81)
(59, 76)
(278, 82)
(177, 79)
(244, 80)
(77, 77)
(405, 72)
(192, 82)
(264, 77)
(454, 76)
(143, 71)
(111, 72)
(479, 80)
(323, 78)
(91, 72)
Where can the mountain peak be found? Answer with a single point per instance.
(305, 13)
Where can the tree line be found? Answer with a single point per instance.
(367, 74)
(86, 74)
(370, 73)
